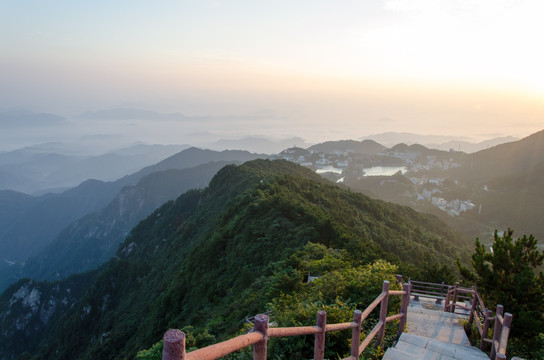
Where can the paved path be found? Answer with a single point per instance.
(433, 335)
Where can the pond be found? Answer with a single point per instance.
(329, 168)
(384, 170)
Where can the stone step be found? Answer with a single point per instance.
(439, 325)
(430, 309)
(420, 348)
(395, 354)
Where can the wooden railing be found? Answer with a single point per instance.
(477, 313)
(174, 340)
(429, 290)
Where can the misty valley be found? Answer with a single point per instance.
(184, 237)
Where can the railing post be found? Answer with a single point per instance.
(356, 334)
(505, 332)
(439, 300)
(399, 279)
(416, 298)
(383, 312)
(454, 300)
(472, 310)
(496, 330)
(173, 345)
(319, 346)
(260, 324)
(404, 307)
(485, 329)
(447, 302)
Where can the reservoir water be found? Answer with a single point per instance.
(384, 170)
(371, 171)
(329, 169)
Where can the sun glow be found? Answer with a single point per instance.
(434, 63)
(493, 43)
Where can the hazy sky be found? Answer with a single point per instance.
(311, 68)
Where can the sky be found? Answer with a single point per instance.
(317, 69)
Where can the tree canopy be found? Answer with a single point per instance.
(507, 274)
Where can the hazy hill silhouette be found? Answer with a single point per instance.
(368, 147)
(51, 213)
(189, 158)
(54, 167)
(504, 159)
(93, 239)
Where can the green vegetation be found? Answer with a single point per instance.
(245, 245)
(94, 239)
(343, 285)
(507, 276)
(343, 288)
(24, 299)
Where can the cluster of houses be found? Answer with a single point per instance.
(350, 164)
(431, 191)
(317, 160)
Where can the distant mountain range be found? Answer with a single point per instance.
(212, 249)
(38, 169)
(54, 167)
(93, 239)
(260, 144)
(440, 142)
(51, 213)
(367, 147)
(504, 169)
(39, 219)
(25, 119)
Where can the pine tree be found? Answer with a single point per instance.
(507, 275)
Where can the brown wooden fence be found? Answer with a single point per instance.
(483, 319)
(174, 340)
(455, 296)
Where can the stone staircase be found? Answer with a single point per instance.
(433, 335)
(419, 347)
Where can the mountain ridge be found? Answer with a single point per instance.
(439, 142)
(94, 239)
(51, 213)
(187, 255)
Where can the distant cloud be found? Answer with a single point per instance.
(403, 6)
(420, 5)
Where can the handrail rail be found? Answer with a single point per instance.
(427, 289)
(174, 340)
(477, 311)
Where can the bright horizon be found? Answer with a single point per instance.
(314, 69)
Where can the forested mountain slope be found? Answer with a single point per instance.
(94, 239)
(212, 257)
(29, 224)
(41, 218)
(503, 160)
(507, 184)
